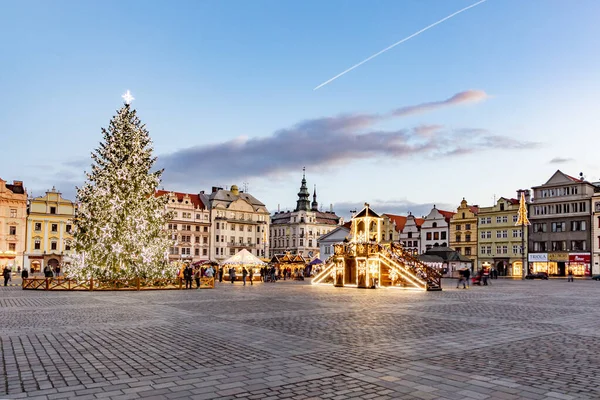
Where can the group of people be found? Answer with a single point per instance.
(190, 273)
(481, 277)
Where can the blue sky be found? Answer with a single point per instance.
(225, 89)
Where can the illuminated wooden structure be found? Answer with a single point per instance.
(364, 262)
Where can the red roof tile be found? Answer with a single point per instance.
(447, 214)
(398, 219)
(573, 178)
(419, 221)
(194, 198)
(474, 209)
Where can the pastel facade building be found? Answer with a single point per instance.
(463, 231)
(435, 230)
(49, 231)
(13, 218)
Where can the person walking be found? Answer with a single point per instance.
(467, 276)
(6, 274)
(461, 278)
(232, 274)
(244, 275)
(250, 274)
(570, 275)
(24, 274)
(220, 274)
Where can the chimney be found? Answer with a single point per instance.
(18, 183)
(330, 207)
(278, 208)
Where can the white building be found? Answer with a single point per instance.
(411, 234)
(298, 231)
(239, 221)
(327, 241)
(435, 230)
(596, 231)
(189, 227)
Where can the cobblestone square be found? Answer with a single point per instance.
(291, 340)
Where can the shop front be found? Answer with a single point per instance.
(560, 263)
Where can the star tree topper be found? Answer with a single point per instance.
(128, 97)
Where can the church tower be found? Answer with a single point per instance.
(315, 205)
(303, 203)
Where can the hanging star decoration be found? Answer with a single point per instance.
(522, 216)
(128, 97)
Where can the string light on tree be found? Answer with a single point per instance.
(120, 225)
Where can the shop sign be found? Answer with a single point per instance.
(538, 257)
(579, 258)
(558, 256)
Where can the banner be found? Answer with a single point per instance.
(579, 258)
(558, 256)
(538, 257)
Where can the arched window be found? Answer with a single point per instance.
(434, 225)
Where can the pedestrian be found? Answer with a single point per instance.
(58, 270)
(48, 271)
(250, 275)
(187, 275)
(220, 274)
(467, 276)
(232, 274)
(570, 275)
(244, 275)
(24, 274)
(197, 277)
(6, 274)
(486, 275)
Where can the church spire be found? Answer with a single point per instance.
(315, 205)
(303, 203)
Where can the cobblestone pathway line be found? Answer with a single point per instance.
(291, 340)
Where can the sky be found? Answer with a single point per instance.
(493, 100)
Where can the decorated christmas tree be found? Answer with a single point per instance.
(120, 225)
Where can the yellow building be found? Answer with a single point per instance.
(499, 240)
(49, 231)
(463, 231)
(13, 214)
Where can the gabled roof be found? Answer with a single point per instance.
(347, 225)
(474, 209)
(194, 198)
(399, 220)
(511, 200)
(367, 212)
(288, 258)
(243, 257)
(419, 221)
(334, 231)
(560, 177)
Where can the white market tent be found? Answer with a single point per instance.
(243, 258)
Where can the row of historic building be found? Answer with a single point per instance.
(564, 233)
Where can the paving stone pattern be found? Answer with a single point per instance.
(291, 340)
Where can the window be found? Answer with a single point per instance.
(559, 246)
(67, 245)
(12, 230)
(37, 226)
(559, 227)
(458, 227)
(515, 249)
(54, 228)
(505, 219)
(13, 213)
(501, 206)
(516, 233)
(53, 245)
(515, 218)
(197, 240)
(204, 252)
(467, 251)
(12, 247)
(539, 227)
(241, 228)
(443, 237)
(482, 249)
(578, 225)
(301, 242)
(436, 236)
(482, 221)
(488, 234)
(467, 237)
(197, 228)
(52, 210)
(540, 246)
(205, 239)
(410, 233)
(37, 244)
(428, 236)
(488, 220)
(241, 240)
(205, 229)
(196, 252)
(458, 250)
(498, 234)
(468, 227)
(257, 240)
(482, 234)
(434, 225)
(231, 252)
(458, 238)
(218, 227)
(498, 249)
(68, 228)
(504, 234)
(578, 245)
(198, 216)
(498, 220)
(232, 227)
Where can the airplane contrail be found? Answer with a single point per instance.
(397, 43)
